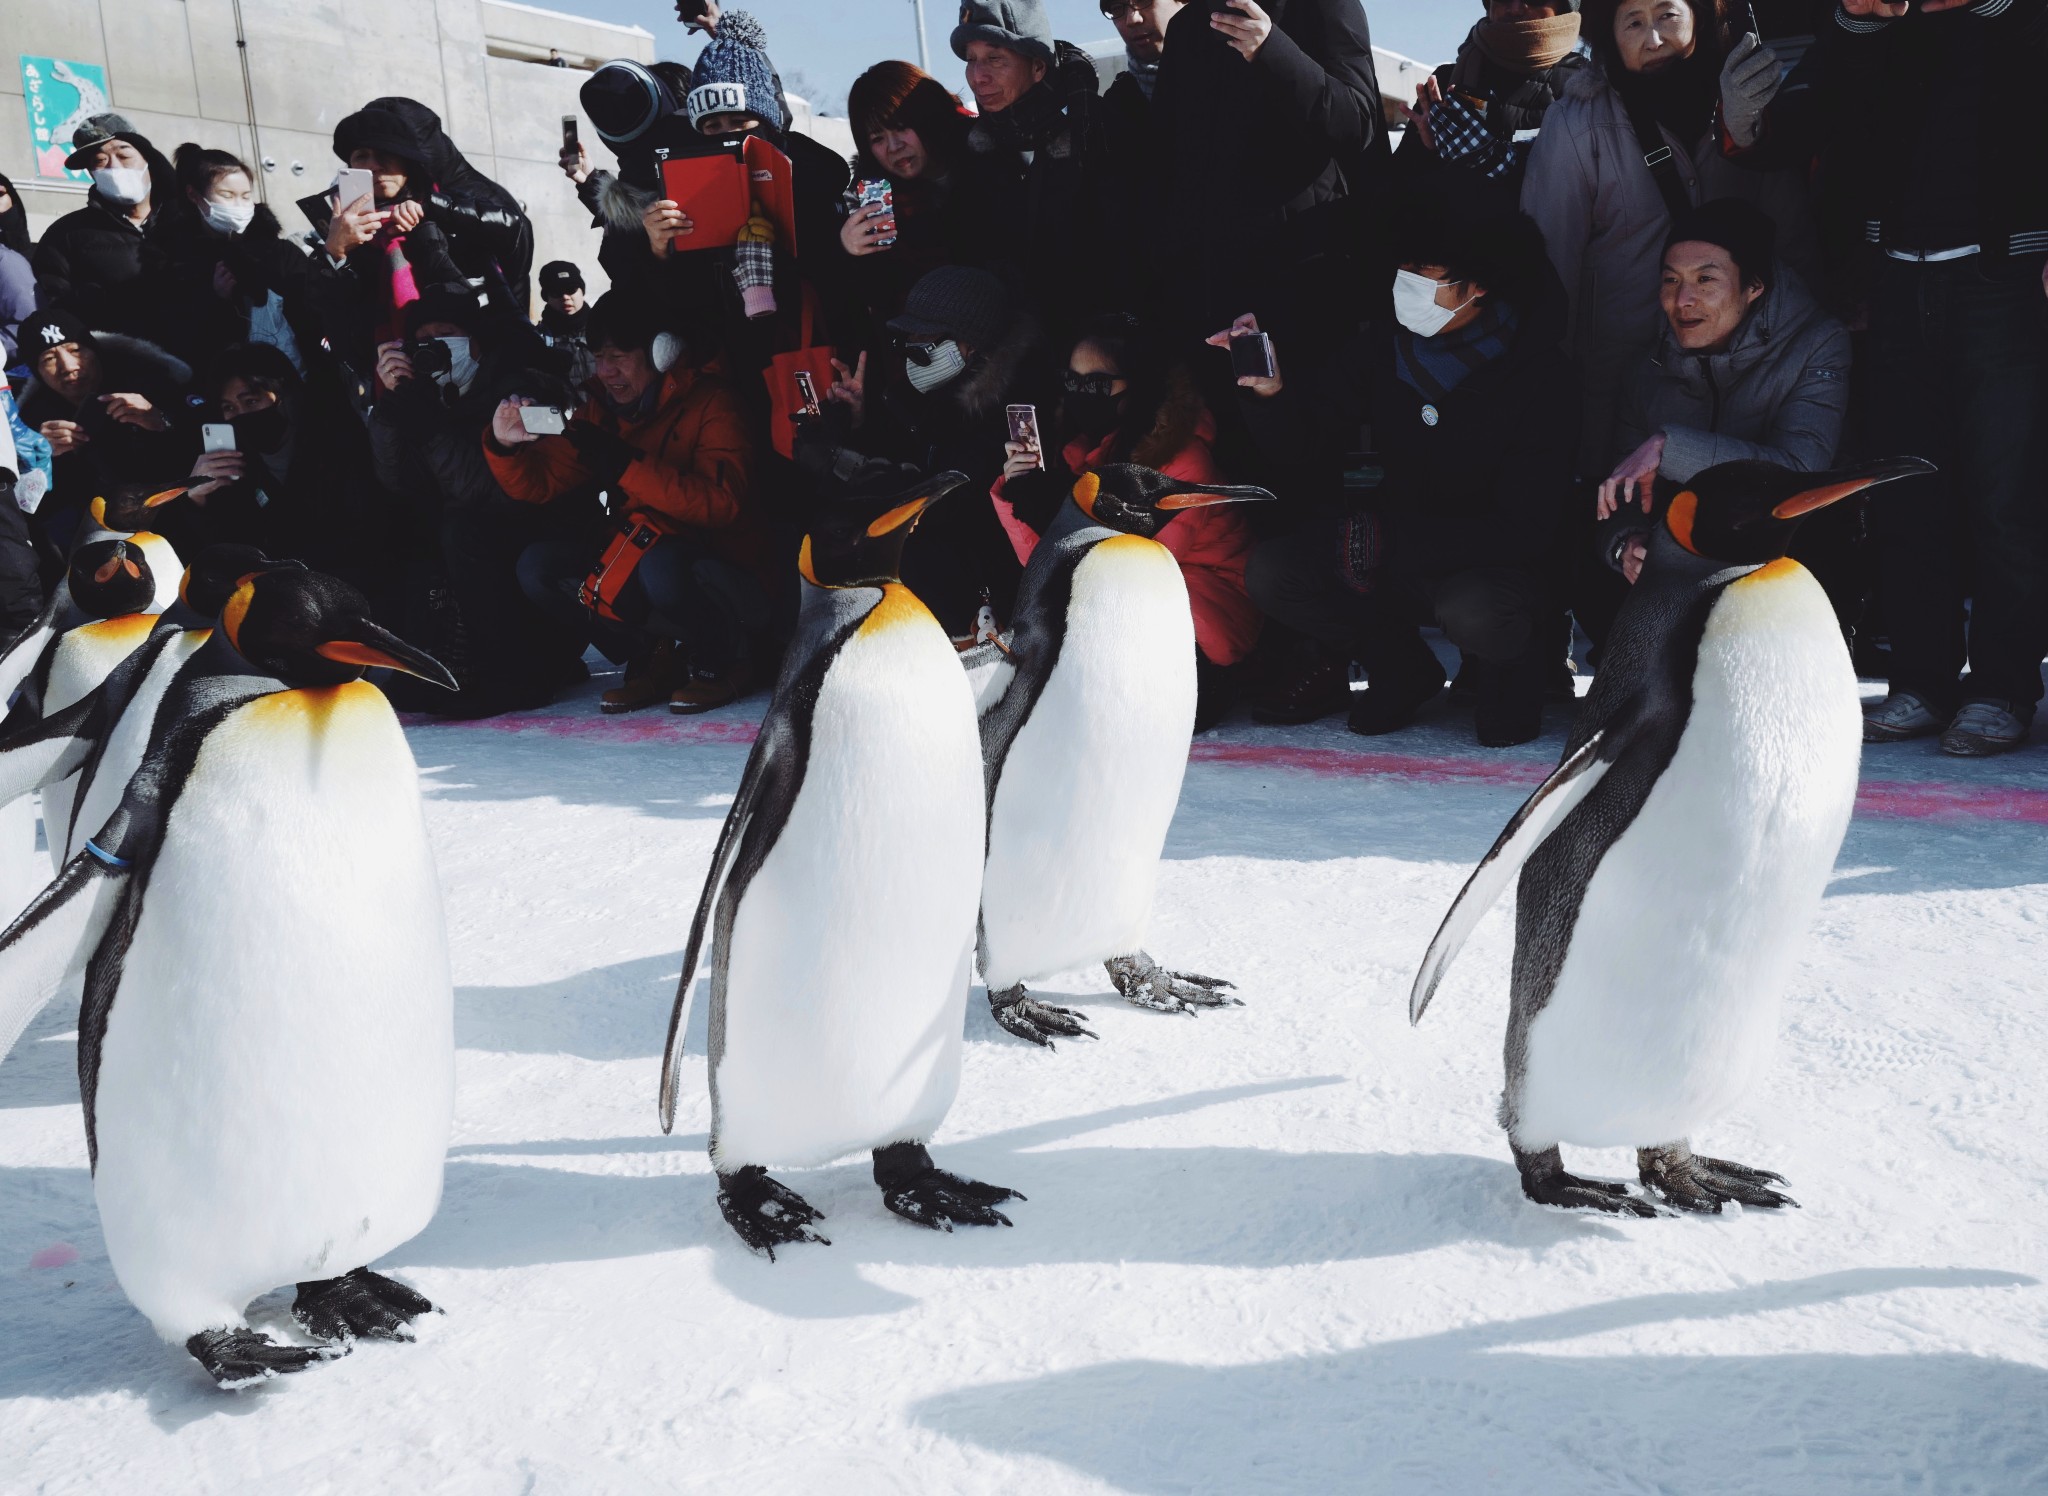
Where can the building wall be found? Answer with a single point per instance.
(174, 69)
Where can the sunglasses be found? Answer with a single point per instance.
(1088, 384)
(919, 352)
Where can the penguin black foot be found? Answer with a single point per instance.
(1028, 1018)
(920, 1191)
(1545, 1181)
(765, 1213)
(240, 1357)
(1144, 983)
(361, 1305)
(1683, 1179)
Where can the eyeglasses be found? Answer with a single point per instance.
(1089, 384)
(1112, 9)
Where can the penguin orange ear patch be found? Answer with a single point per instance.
(237, 609)
(1678, 519)
(1086, 487)
(803, 563)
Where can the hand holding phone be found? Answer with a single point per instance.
(1024, 432)
(216, 436)
(542, 420)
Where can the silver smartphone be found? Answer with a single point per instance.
(352, 183)
(542, 420)
(216, 436)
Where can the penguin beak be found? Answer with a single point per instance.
(1221, 494)
(379, 648)
(907, 513)
(158, 500)
(1835, 487)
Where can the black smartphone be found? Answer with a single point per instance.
(569, 140)
(1251, 356)
(1745, 19)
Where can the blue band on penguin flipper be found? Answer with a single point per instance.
(107, 857)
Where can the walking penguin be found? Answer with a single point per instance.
(1672, 862)
(1084, 741)
(266, 1043)
(841, 896)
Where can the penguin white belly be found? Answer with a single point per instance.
(85, 656)
(124, 749)
(850, 958)
(276, 1080)
(1092, 779)
(1666, 1007)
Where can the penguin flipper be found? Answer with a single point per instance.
(1540, 815)
(54, 937)
(49, 749)
(26, 649)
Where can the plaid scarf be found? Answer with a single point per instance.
(1433, 367)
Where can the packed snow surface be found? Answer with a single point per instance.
(1276, 1248)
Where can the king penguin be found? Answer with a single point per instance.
(1671, 864)
(841, 894)
(266, 1045)
(1084, 739)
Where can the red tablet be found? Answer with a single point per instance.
(713, 191)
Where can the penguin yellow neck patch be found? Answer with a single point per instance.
(1781, 570)
(899, 607)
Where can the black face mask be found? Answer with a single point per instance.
(1091, 413)
(262, 430)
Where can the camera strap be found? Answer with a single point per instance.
(629, 547)
(1658, 156)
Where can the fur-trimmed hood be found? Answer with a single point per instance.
(622, 205)
(986, 385)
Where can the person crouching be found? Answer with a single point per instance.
(678, 590)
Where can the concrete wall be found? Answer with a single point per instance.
(173, 68)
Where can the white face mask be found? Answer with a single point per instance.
(1415, 304)
(946, 364)
(462, 364)
(227, 218)
(123, 186)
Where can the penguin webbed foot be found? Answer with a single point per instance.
(1545, 1181)
(765, 1212)
(1683, 1179)
(1144, 983)
(359, 1305)
(924, 1194)
(238, 1357)
(1028, 1018)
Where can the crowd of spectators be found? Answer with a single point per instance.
(1472, 341)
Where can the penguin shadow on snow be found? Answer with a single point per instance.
(42, 1068)
(1193, 1206)
(607, 1013)
(1477, 1409)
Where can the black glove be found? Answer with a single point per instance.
(604, 453)
(1035, 497)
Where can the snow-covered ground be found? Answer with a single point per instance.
(1278, 1248)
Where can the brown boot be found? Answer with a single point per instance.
(708, 690)
(649, 680)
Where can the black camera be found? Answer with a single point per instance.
(428, 357)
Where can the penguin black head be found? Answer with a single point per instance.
(1745, 513)
(856, 540)
(218, 570)
(125, 507)
(1139, 501)
(310, 629)
(110, 576)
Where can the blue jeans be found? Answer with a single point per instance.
(678, 591)
(1960, 376)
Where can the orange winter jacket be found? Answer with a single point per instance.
(692, 477)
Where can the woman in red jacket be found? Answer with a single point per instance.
(1124, 400)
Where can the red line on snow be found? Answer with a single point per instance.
(1889, 799)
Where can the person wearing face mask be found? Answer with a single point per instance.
(1747, 367)
(235, 278)
(962, 350)
(1123, 399)
(1480, 114)
(1672, 80)
(104, 261)
(1460, 518)
(463, 534)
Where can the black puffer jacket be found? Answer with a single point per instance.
(198, 322)
(115, 452)
(109, 270)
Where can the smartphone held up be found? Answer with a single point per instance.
(1024, 431)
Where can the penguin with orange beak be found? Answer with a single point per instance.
(260, 910)
(1084, 737)
(1669, 868)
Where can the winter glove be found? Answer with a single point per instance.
(604, 454)
(1750, 79)
(1035, 497)
(754, 266)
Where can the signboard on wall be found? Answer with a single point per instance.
(59, 96)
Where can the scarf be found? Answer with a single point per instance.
(1146, 74)
(1433, 367)
(1531, 46)
(1031, 122)
(1681, 96)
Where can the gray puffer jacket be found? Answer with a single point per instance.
(1604, 222)
(1777, 394)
